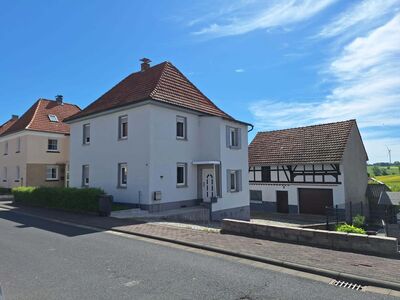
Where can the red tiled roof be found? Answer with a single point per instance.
(311, 144)
(37, 117)
(7, 125)
(162, 82)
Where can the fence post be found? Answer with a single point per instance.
(337, 214)
(327, 217)
(351, 213)
(362, 208)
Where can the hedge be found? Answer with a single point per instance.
(72, 199)
(5, 191)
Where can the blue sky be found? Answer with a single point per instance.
(276, 64)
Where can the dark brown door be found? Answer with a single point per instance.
(282, 203)
(314, 201)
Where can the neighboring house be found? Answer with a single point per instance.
(34, 149)
(155, 141)
(304, 170)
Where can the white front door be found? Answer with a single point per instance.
(208, 184)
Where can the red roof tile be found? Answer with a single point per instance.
(311, 144)
(37, 117)
(162, 82)
(8, 124)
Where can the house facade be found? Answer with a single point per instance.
(34, 149)
(156, 142)
(304, 170)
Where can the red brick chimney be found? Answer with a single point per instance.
(145, 64)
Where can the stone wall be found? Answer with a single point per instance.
(376, 245)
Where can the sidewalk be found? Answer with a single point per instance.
(351, 263)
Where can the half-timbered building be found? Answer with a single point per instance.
(305, 170)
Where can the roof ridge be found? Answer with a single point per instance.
(307, 126)
(34, 114)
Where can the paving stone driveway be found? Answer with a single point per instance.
(352, 263)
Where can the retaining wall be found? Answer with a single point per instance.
(376, 245)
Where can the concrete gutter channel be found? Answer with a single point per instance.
(290, 265)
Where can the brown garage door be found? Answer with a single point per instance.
(314, 201)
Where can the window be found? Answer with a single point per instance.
(233, 137)
(51, 172)
(18, 145)
(5, 148)
(234, 180)
(4, 174)
(123, 127)
(17, 174)
(53, 118)
(181, 174)
(52, 145)
(122, 175)
(255, 195)
(85, 175)
(181, 128)
(86, 134)
(260, 174)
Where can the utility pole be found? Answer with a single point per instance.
(390, 154)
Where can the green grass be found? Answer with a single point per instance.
(393, 170)
(392, 181)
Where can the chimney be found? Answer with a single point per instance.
(14, 117)
(59, 99)
(145, 64)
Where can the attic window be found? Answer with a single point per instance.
(53, 118)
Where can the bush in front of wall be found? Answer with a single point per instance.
(359, 221)
(350, 229)
(5, 191)
(72, 199)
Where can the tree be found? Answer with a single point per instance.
(377, 171)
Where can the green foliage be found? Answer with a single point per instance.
(73, 199)
(359, 221)
(384, 172)
(350, 229)
(376, 171)
(4, 191)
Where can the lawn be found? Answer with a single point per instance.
(392, 181)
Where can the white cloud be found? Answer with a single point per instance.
(277, 14)
(361, 12)
(367, 87)
(239, 70)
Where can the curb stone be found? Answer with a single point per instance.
(290, 265)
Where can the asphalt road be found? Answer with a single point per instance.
(46, 260)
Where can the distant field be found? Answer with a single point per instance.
(393, 170)
(392, 181)
(391, 178)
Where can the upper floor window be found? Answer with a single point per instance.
(53, 118)
(52, 145)
(85, 175)
(4, 174)
(233, 137)
(181, 128)
(51, 172)
(181, 174)
(5, 148)
(86, 134)
(18, 145)
(123, 127)
(122, 175)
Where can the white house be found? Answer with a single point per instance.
(155, 141)
(306, 169)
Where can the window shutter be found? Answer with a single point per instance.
(239, 137)
(239, 180)
(227, 137)
(228, 180)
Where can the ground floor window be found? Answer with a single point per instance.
(122, 175)
(51, 172)
(234, 180)
(85, 175)
(255, 195)
(181, 174)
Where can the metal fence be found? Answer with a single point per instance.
(341, 213)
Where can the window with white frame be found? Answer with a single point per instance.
(52, 173)
(181, 128)
(52, 145)
(53, 118)
(122, 175)
(233, 137)
(17, 173)
(85, 175)
(5, 148)
(4, 174)
(86, 134)
(18, 145)
(123, 127)
(234, 181)
(181, 174)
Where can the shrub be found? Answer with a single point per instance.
(73, 199)
(350, 229)
(359, 221)
(377, 171)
